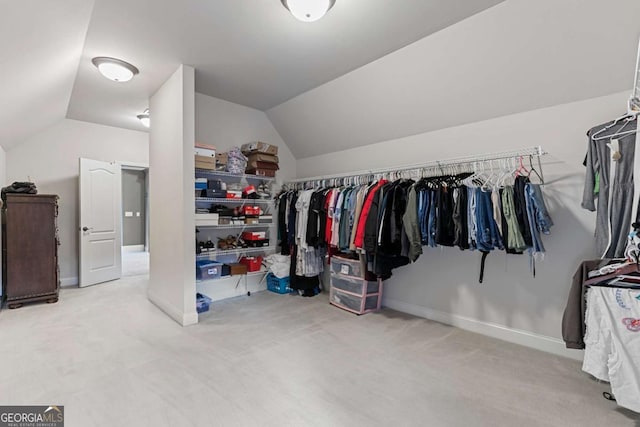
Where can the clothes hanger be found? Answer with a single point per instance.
(533, 169)
(521, 168)
(627, 117)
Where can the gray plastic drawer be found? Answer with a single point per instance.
(356, 286)
(354, 303)
(348, 267)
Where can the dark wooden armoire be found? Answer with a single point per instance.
(30, 249)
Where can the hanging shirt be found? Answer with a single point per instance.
(514, 238)
(356, 217)
(615, 196)
(335, 228)
(411, 227)
(359, 240)
(497, 208)
(331, 204)
(471, 217)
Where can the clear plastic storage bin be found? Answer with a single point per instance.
(355, 304)
(353, 285)
(347, 267)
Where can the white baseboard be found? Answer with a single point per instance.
(69, 282)
(184, 319)
(501, 332)
(133, 248)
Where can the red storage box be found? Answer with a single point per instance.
(232, 194)
(254, 235)
(251, 210)
(252, 263)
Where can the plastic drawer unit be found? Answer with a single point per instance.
(347, 266)
(353, 285)
(356, 295)
(354, 303)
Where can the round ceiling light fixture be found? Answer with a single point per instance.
(115, 69)
(308, 10)
(144, 118)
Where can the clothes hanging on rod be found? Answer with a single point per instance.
(609, 179)
(294, 222)
(390, 221)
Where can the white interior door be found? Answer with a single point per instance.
(100, 223)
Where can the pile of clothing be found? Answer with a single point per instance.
(390, 222)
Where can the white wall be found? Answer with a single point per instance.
(443, 284)
(517, 56)
(3, 166)
(225, 125)
(3, 179)
(172, 284)
(50, 159)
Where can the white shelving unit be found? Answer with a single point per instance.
(239, 251)
(221, 174)
(237, 201)
(253, 273)
(227, 286)
(236, 226)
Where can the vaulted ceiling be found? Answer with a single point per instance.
(245, 51)
(518, 56)
(41, 43)
(371, 70)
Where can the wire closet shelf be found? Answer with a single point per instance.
(451, 166)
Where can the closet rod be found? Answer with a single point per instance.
(524, 152)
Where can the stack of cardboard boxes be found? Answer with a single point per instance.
(205, 156)
(263, 158)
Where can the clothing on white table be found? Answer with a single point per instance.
(612, 342)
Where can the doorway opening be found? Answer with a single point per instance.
(135, 220)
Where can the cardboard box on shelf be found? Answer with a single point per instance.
(259, 243)
(262, 157)
(205, 164)
(205, 146)
(237, 269)
(251, 221)
(262, 165)
(261, 147)
(261, 172)
(254, 235)
(251, 211)
(234, 194)
(265, 219)
(207, 219)
(215, 194)
(204, 152)
(205, 159)
(222, 158)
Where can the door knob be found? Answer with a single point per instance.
(85, 229)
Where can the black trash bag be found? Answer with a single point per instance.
(19, 187)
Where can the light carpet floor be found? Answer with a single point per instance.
(113, 359)
(135, 263)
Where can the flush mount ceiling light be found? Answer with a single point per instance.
(308, 10)
(115, 69)
(144, 118)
